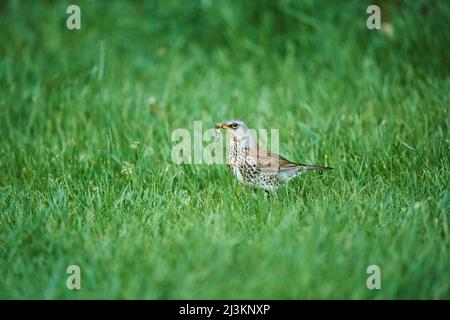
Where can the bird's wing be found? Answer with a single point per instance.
(271, 162)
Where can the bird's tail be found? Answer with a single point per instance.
(308, 167)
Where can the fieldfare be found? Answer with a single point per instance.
(255, 167)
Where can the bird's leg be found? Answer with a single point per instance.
(270, 194)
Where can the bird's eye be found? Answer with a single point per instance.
(234, 125)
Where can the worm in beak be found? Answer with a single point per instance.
(222, 126)
(218, 127)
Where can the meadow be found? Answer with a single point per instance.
(87, 179)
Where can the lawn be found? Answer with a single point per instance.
(87, 178)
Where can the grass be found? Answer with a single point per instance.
(73, 104)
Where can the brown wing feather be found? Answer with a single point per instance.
(272, 162)
(268, 161)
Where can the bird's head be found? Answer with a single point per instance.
(238, 131)
(236, 128)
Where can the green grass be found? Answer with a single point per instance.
(72, 103)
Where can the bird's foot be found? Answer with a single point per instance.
(270, 194)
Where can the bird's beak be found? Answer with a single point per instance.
(222, 126)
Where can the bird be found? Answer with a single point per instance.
(254, 166)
